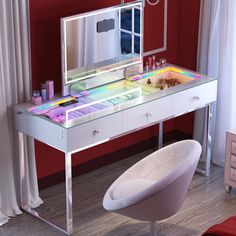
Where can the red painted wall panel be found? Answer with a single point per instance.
(153, 30)
(46, 63)
(187, 49)
(188, 33)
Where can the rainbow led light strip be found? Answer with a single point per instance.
(167, 69)
(135, 90)
(101, 89)
(45, 107)
(48, 106)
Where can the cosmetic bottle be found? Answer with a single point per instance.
(153, 62)
(146, 66)
(36, 98)
(163, 61)
(43, 92)
(158, 64)
(149, 82)
(150, 63)
(50, 89)
(36, 93)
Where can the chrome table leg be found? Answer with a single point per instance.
(23, 179)
(24, 189)
(69, 213)
(160, 138)
(208, 141)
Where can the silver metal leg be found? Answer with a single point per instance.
(69, 213)
(208, 139)
(208, 142)
(23, 179)
(160, 138)
(24, 190)
(153, 231)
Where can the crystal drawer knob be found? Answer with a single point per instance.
(96, 132)
(196, 98)
(149, 114)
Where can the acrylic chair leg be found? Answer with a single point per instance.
(160, 140)
(153, 231)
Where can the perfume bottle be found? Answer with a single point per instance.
(163, 61)
(146, 66)
(50, 89)
(150, 62)
(36, 93)
(36, 98)
(153, 62)
(43, 92)
(158, 64)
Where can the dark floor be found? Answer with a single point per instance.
(206, 204)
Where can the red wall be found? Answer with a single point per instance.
(187, 49)
(46, 62)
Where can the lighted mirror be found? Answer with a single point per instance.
(100, 41)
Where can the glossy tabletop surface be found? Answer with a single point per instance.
(97, 102)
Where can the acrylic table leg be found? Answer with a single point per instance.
(69, 213)
(208, 139)
(23, 179)
(160, 138)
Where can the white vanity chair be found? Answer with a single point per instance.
(154, 188)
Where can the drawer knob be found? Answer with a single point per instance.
(149, 114)
(196, 98)
(96, 132)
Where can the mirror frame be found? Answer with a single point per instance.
(110, 68)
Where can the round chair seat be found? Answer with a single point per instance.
(155, 187)
(129, 188)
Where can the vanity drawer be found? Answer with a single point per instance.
(232, 174)
(233, 147)
(233, 161)
(148, 113)
(194, 98)
(94, 132)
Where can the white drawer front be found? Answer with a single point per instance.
(42, 130)
(233, 147)
(94, 132)
(233, 161)
(232, 174)
(194, 98)
(143, 115)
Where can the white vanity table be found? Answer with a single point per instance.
(106, 111)
(142, 112)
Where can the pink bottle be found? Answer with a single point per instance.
(150, 63)
(50, 89)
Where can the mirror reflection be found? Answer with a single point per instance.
(101, 41)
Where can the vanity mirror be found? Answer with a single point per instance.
(101, 41)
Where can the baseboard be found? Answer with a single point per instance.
(56, 178)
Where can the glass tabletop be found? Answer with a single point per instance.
(107, 99)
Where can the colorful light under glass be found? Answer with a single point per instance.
(167, 69)
(48, 106)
